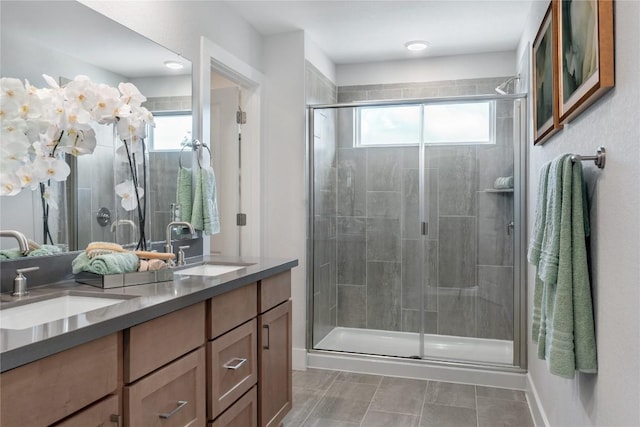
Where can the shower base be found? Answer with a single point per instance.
(407, 344)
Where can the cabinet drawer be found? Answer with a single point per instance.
(243, 413)
(232, 368)
(274, 290)
(157, 342)
(231, 309)
(47, 390)
(172, 396)
(105, 413)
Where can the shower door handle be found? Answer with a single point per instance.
(510, 228)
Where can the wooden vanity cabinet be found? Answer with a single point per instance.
(274, 349)
(46, 391)
(164, 370)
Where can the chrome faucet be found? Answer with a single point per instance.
(23, 243)
(168, 248)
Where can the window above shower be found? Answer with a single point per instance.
(443, 123)
(169, 131)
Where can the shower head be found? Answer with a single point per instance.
(502, 88)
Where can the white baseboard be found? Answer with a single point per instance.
(535, 405)
(299, 359)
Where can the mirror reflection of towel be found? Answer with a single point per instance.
(204, 215)
(183, 194)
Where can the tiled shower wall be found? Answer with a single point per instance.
(468, 261)
(163, 169)
(320, 90)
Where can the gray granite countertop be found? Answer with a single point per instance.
(143, 303)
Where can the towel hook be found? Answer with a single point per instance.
(599, 159)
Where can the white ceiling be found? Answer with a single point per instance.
(123, 51)
(355, 31)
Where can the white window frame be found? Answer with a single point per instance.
(357, 137)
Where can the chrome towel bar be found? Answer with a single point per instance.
(599, 159)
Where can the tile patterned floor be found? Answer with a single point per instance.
(339, 399)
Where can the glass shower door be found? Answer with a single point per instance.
(468, 246)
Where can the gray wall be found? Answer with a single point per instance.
(320, 90)
(467, 256)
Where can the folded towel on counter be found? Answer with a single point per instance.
(45, 250)
(184, 193)
(204, 215)
(13, 253)
(115, 263)
(565, 330)
(101, 248)
(503, 182)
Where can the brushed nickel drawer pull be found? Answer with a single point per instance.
(238, 363)
(115, 418)
(181, 404)
(266, 346)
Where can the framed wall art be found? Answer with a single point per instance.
(545, 78)
(586, 53)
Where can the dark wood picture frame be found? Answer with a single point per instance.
(586, 54)
(545, 78)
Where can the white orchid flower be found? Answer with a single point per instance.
(127, 191)
(131, 95)
(81, 91)
(28, 176)
(9, 184)
(36, 123)
(78, 142)
(14, 151)
(50, 196)
(135, 151)
(52, 168)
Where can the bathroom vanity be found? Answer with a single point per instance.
(200, 350)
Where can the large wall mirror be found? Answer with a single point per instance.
(64, 39)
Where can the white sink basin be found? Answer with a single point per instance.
(210, 270)
(49, 310)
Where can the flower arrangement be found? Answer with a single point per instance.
(38, 125)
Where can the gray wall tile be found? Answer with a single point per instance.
(411, 204)
(352, 187)
(457, 311)
(495, 212)
(495, 302)
(411, 321)
(383, 204)
(411, 262)
(457, 180)
(384, 169)
(348, 225)
(457, 252)
(352, 301)
(351, 260)
(383, 295)
(383, 239)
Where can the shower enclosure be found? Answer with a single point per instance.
(415, 229)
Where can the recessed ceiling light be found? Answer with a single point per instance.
(174, 65)
(416, 45)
